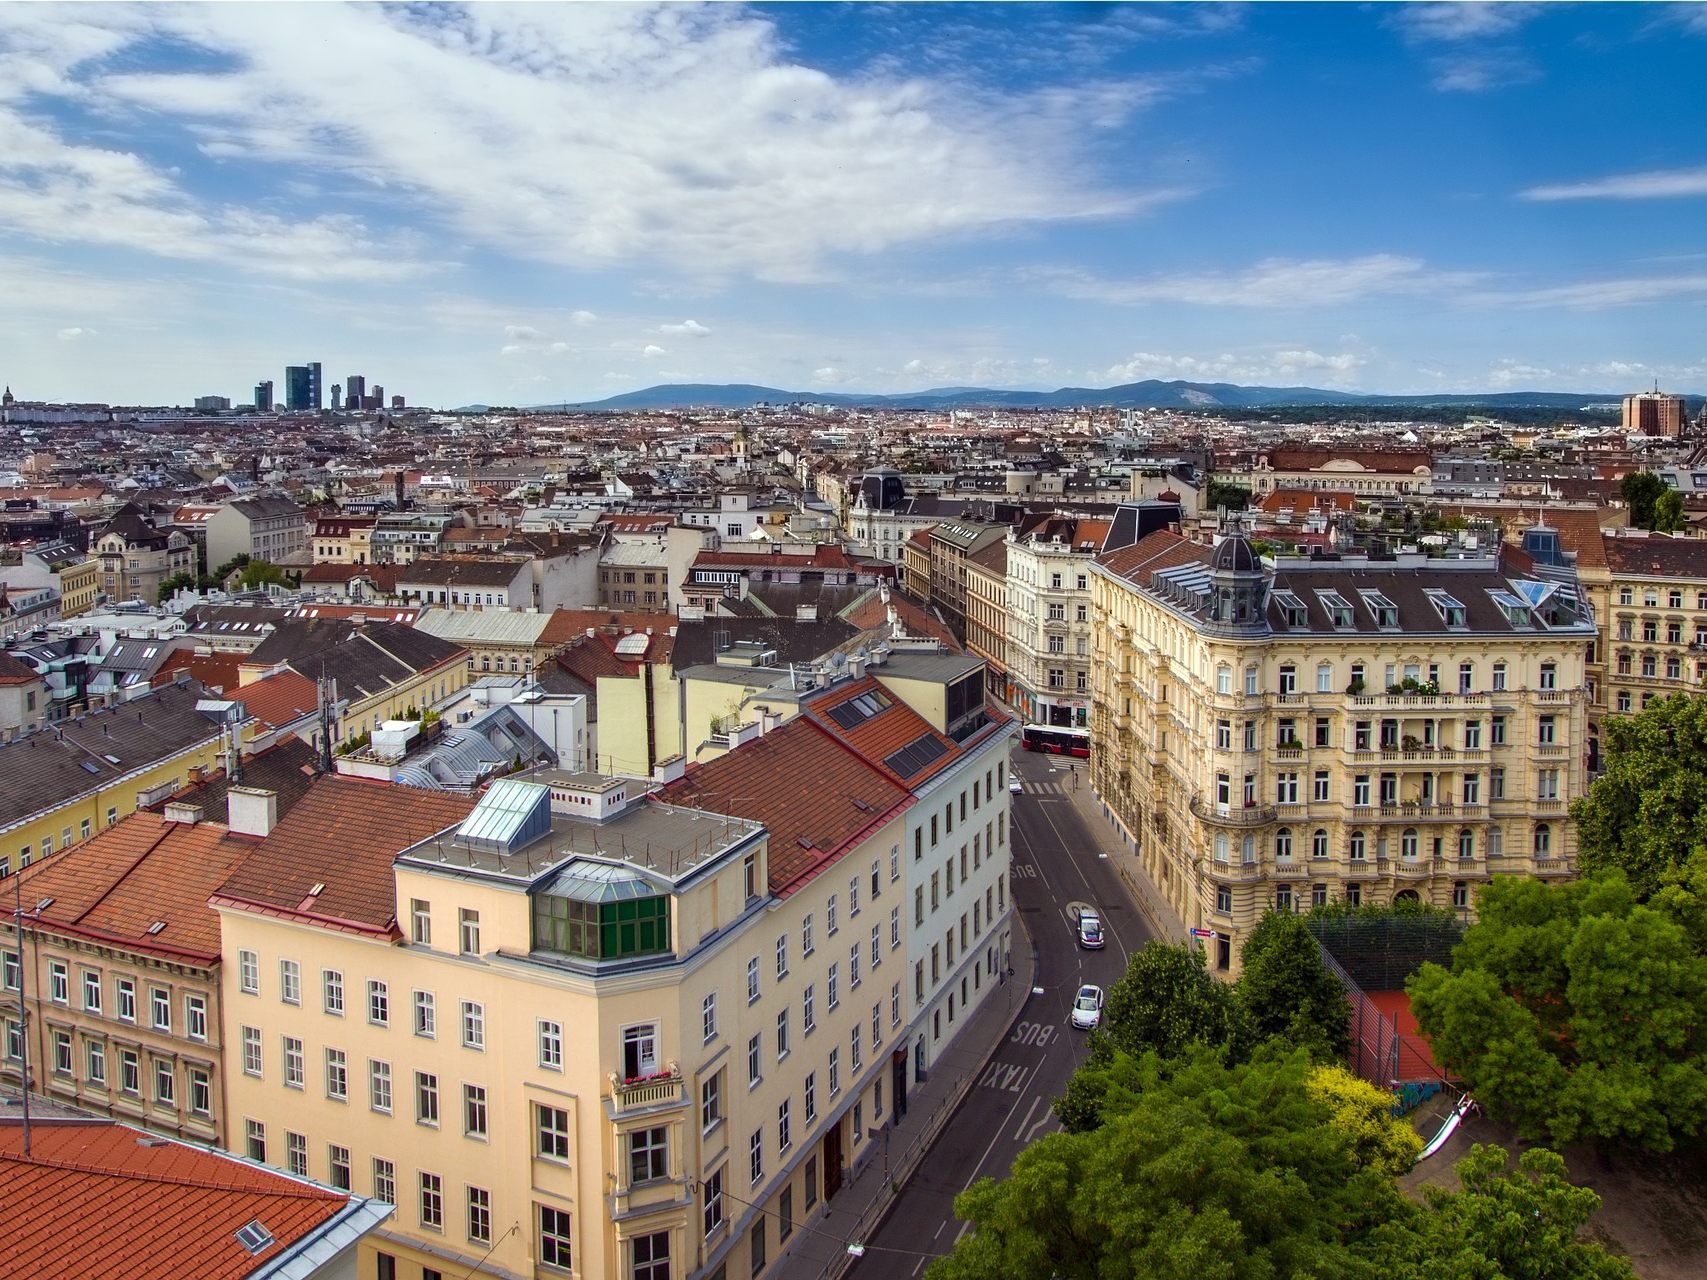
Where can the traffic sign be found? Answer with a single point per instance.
(1203, 933)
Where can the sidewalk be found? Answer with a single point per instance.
(820, 1252)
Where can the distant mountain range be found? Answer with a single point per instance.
(1150, 394)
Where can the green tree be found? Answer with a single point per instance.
(1286, 990)
(1168, 1001)
(1214, 1173)
(1647, 813)
(1520, 1224)
(1668, 512)
(170, 585)
(260, 573)
(1221, 493)
(1640, 491)
(1573, 1011)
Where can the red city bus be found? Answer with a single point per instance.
(1057, 740)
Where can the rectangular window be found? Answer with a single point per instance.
(554, 1237)
(426, 1015)
(753, 1051)
(468, 931)
(201, 1091)
(835, 1072)
(784, 1139)
(711, 1102)
(338, 1163)
(248, 973)
(473, 1025)
(91, 991)
(294, 1074)
(379, 1086)
(384, 1180)
(894, 927)
(378, 1004)
(290, 982)
(195, 1017)
(97, 1056)
(708, 1017)
(551, 1045)
(251, 1037)
(255, 1141)
(59, 982)
(648, 1155)
(551, 1132)
(160, 1008)
(337, 1076)
(296, 1154)
(756, 1156)
(479, 1215)
(432, 1202)
(781, 1034)
(834, 987)
(782, 957)
(752, 980)
(421, 922)
(332, 986)
(474, 1111)
(426, 1098)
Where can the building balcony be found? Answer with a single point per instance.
(1235, 871)
(659, 1089)
(1547, 806)
(1412, 868)
(1417, 701)
(1555, 695)
(1552, 866)
(1230, 815)
(1550, 749)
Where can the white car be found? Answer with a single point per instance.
(1087, 1008)
(1014, 784)
(1090, 931)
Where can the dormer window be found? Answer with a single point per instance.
(1450, 611)
(1292, 610)
(1384, 611)
(1516, 611)
(1339, 611)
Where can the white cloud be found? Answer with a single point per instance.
(74, 333)
(585, 135)
(1596, 295)
(557, 348)
(652, 352)
(830, 376)
(1274, 282)
(522, 333)
(1483, 72)
(1456, 21)
(1655, 184)
(687, 328)
(582, 318)
(1285, 363)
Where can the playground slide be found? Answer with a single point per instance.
(1449, 1128)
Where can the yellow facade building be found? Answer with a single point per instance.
(1272, 735)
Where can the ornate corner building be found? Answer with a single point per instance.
(1282, 733)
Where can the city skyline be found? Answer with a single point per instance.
(563, 203)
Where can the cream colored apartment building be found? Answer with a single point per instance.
(1281, 734)
(583, 1031)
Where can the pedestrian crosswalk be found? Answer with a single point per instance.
(1049, 787)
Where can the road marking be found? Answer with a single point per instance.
(1028, 1111)
(964, 1228)
(1042, 1120)
(1007, 1076)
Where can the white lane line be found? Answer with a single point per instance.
(1023, 1123)
(1031, 1133)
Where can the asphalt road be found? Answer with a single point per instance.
(1056, 869)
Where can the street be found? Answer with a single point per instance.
(1056, 870)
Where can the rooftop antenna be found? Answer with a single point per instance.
(325, 691)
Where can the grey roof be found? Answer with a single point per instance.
(43, 770)
(370, 659)
(266, 507)
(793, 641)
(489, 626)
(582, 880)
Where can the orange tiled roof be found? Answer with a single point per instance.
(343, 834)
(567, 625)
(1150, 554)
(94, 1199)
(140, 871)
(880, 736)
(815, 795)
(279, 699)
(218, 671)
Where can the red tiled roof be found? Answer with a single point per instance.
(220, 672)
(565, 625)
(815, 795)
(139, 871)
(279, 699)
(1388, 461)
(1151, 553)
(826, 555)
(343, 834)
(869, 611)
(1303, 501)
(383, 576)
(878, 737)
(14, 671)
(1656, 556)
(95, 1199)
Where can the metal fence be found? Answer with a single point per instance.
(1378, 951)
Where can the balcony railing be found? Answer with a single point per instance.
(1252, 815)
(658, 1089)
(1552, 866)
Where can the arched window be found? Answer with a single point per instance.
(1358, 846)
(1319, 844)
(1408, 843)
(1406, 895)
(1460, 893)
(1543, 840)
(1223, 679)
(1283, 843)
(1466, 843)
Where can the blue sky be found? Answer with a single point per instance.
(523, 204)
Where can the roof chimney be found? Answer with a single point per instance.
(188, 814)
(251, 811)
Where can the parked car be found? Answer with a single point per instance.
(1087, 1008)
(1014, 784)
(1090, 931)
